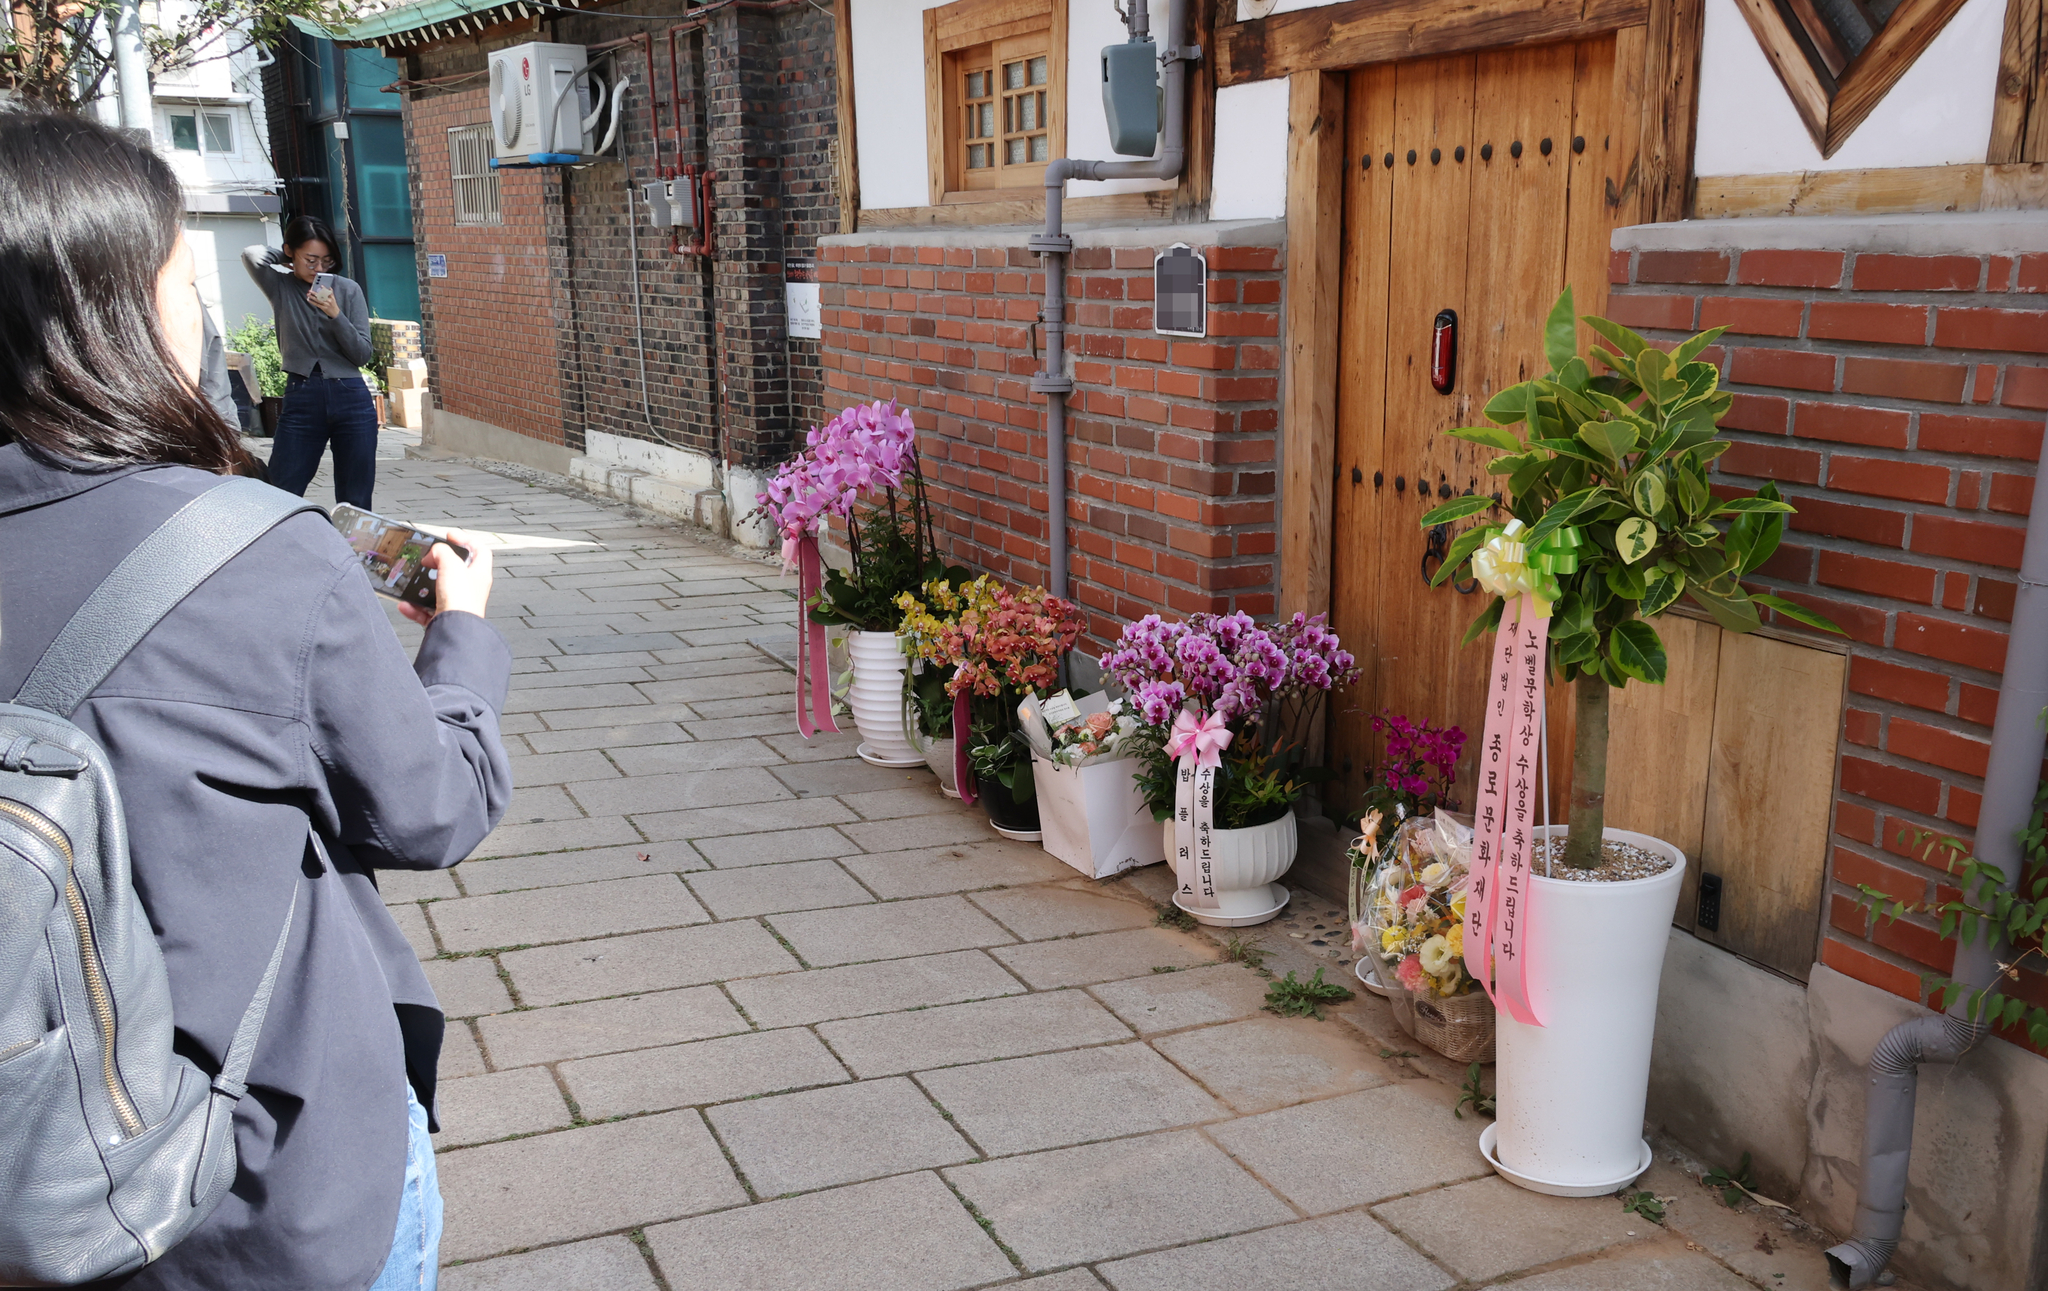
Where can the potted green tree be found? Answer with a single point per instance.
(1610, 470)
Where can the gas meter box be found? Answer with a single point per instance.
(1130, 97)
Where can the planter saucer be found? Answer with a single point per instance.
(868, 757)
(1017, 835)
(1489, 1136)
(1215, 920)
(1370, 978)
(950, 793)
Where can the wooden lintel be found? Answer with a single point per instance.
(1308, 432)
(1901, 190)
(1157, 205)
(1358, 33)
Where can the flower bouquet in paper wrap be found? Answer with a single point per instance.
(1408, 898)
(1085, 753)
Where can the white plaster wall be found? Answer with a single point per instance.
(1938, 114)
(224, 286)
(888, 89)
(1250, 180)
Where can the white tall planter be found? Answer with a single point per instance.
(1572, 1090)
(1247, 863)
(877, 699)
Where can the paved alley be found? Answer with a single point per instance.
(731, 1011)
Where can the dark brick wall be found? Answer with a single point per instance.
(1897, 402)
(752, 97)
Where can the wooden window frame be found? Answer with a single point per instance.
(965, 25)
(1831, 105)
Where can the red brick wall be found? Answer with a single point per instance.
(1897, 402)
(1172, 442)
(489, 327)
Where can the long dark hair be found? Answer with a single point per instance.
(87, 222)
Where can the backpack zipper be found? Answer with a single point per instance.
(89, 956)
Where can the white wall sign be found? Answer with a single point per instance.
(800, 292)
(437, 266)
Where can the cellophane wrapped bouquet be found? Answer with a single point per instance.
(1412, 895)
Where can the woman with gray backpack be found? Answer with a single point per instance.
(217, 1050)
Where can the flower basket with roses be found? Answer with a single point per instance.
(1408, 928)
(1230, 705)
(1001, 644)
(860, 468)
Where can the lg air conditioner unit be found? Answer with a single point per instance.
(542, 109)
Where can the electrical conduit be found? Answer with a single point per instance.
(2010, 780)
(1053, 247)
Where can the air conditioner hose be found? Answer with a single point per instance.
(618, 98)
(596, 113)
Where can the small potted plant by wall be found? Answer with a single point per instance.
(1613, 520)
(1229, 706)
(860, 468)
(932, 638)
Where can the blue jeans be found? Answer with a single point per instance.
(317, 410)
(415, 1262)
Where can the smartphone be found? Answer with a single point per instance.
(324, 282)
(392, 553)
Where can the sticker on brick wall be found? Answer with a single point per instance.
(1180, 292)
(437, 266)
(800, 288)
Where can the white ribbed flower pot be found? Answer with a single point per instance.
(1572, 1090)
(938, 755)
(877, 699)
(1247, 863)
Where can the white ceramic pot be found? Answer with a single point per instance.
(938, 755)
(877, 699)
(1572, 1090)
(1247, 863)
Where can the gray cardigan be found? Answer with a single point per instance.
(305, 336)
(275, 694)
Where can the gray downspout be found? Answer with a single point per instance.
(1053, 247)
(2009, 784)
(131, 71)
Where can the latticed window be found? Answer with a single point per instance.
(995, 85)
(476, 184)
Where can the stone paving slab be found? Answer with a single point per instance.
(467, 987)
(921, 831)
(1339, 1253)
(648, 961)
(590, 865)
(460, 1055)
(1483, 1229)
(776, 889)
(677, 791)
(700, 1073)
(565, 914)
(799, 999)
(1104, 957)
(1666, 1266)
(800, 1142)
(892, 930)
(1109, 1199)
(1262, 1063)
(609, 1026)
(773, 845)
(1037, 913)
(1191, 997)
(478, 1109)
(965, 867)
(412, 921)
(600, 1264)
(696, 755)
(605, 737)
(1359, 1148)
(1053, 1100)
(555, 836)
(399, 887)
(963, 1033)
(721, 822)
(903, 1234)
(578, 1183)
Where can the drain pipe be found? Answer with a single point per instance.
(2009, 784)
(1053, 247)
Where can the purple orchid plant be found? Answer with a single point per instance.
(1420, 766)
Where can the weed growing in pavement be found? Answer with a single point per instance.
(1239, 951)
(1646, 1204)
(1738, 1184)
(1175, 917)
(1166, 968)
(1398, 1053)
(1292, 999)
(1472, 1092)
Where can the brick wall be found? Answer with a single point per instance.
(1897, 402)
(535, 331)
(1172, 442)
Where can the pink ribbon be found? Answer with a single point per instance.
(963, 769)
(1205, 739)
(1497, 902)
(813, 671)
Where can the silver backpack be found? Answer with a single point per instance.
(112, 1147)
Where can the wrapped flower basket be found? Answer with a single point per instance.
(1406, 903)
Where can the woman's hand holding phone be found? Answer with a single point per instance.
(458, 584)
(322, 298)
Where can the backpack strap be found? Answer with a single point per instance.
(150, 581)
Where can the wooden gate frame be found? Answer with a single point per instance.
(1313, 48)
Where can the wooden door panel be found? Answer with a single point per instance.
(1361, 408)
(1770, 788)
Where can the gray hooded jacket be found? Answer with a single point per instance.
(275, 694)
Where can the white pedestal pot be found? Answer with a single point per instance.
(1247, 862)
(1572, 1090)
(877, 699)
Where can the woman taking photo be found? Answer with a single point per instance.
(272, 744)
(323, 334)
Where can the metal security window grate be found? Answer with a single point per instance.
(476, 184)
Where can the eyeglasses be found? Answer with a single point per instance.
(314, 262)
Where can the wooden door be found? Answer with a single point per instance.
(1478, 183)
